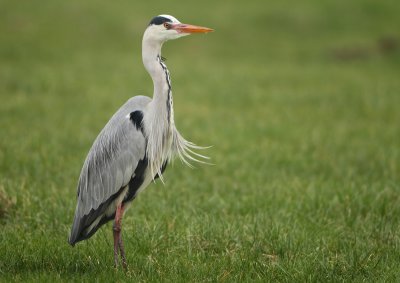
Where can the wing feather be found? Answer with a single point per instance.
(108, 168)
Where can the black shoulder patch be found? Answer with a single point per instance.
(137, 117)
(159, 20)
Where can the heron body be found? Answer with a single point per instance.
(135, 146)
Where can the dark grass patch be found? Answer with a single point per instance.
(384, 46)
(7, 205)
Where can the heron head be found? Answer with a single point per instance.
(166, 27)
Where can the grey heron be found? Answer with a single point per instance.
(135, 145)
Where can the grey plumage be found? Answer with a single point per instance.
(135, 145)
(109, 166)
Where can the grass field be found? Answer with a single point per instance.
(300, 100)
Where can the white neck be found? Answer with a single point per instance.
(151, 52)
(163, 140)
(158, 119)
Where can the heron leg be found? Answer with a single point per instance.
(122, 251)
(118, 244)
(117, 233)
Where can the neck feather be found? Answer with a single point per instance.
(151, 54)
(163, 140)
(159, 120)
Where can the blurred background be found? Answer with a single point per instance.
(300, 100)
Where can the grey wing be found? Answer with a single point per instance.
(108, 169)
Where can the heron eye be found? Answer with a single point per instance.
(167, 25)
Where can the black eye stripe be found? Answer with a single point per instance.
(159, 20)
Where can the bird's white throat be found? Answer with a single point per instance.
(164, 142)
(158, 120)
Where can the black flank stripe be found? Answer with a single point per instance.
(134, 185)
(164, 166)
(137, 180)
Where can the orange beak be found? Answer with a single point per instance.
(185, 28)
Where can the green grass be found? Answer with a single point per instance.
(300, 100)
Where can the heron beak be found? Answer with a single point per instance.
(185, 28)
